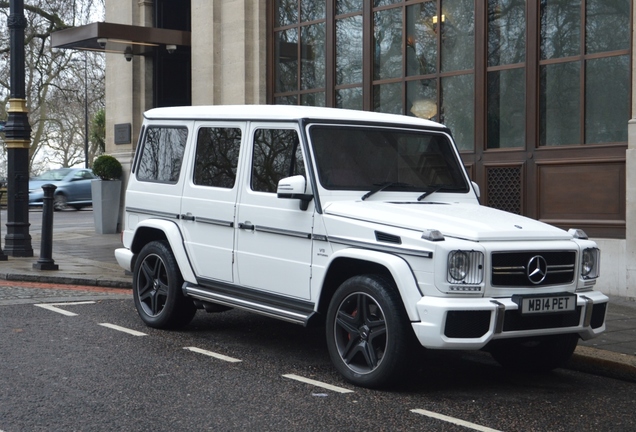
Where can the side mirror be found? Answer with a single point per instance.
(294, 188)
(476, 188)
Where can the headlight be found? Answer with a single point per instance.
(590, 263)
(465, 267)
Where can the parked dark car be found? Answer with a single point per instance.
(73, 188)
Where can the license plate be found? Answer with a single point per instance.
(530, 305)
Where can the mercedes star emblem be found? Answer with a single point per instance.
(537, 269)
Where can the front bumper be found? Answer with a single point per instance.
(470, 323)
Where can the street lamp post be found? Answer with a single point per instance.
(86, 125)
(18, 141)
(85, 109)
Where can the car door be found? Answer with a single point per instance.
(79, 188)
(209, 199)
(274, 236)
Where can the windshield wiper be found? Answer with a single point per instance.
(380, 187)
(428, 192)
(438, 187)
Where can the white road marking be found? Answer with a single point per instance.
(454, 420)
(52, 307)
(318, 383)
(123, 329)
(213, 354)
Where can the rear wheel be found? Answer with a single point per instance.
(368, 332)
(540, 354)
(157, 285)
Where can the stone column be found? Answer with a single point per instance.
(228, 52)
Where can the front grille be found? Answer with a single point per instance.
(511, 269)
(514, 321)
(467, 324)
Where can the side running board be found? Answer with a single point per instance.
(297, 312)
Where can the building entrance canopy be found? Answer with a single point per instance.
(119, 38)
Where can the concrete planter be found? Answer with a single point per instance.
(106, 196)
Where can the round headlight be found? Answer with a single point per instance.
(588, 262)
(458, 265)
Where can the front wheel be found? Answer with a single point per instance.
(157, 285)
(534, 354)
(368, 332)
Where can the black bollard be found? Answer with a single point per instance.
(46, 261)
(3, 257)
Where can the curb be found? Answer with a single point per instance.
(66, 280)
(604, 363)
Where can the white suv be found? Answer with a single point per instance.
(364, 222)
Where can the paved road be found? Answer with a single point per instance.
(60, 372)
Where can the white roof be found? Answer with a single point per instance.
(280, 112)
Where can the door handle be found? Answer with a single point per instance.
(246, 226)
(187, 217)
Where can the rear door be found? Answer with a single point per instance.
(209, 199)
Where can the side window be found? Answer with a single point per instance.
(85, 175)
(217, 157)
(162, 154)
(277, 155)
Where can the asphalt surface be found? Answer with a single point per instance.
(75, 373)
(85, 258)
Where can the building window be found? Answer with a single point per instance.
(299, 50)
(432, 77)
(584, 71)
(421, 58)
(506, 92)
(348, 50)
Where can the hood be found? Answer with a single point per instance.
(37, 183)
(465, 221)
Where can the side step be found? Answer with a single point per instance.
(294, 311)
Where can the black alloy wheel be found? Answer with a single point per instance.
(157, 285)
(368, 332)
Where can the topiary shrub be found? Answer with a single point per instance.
(107, 168)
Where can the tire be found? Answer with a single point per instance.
(540, 354)
(60, 202)
(157, 285)
(368, 332)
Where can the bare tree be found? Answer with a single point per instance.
(55, 81)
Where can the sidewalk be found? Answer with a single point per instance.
(83, 258)
(86, 258)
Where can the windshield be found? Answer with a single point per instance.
(57, 174)
(357, 158)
